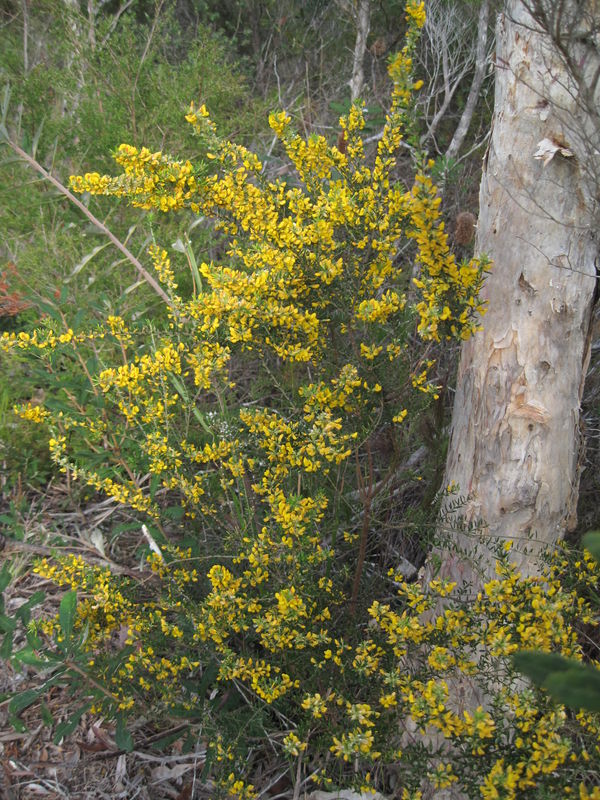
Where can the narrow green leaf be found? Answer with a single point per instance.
(28, 656)
(66, 613)
(49, 308)
(123, 737)
(22, 700)
(202, 420)
(174, 512)
(7, 624)
(577, 688)
(538, 666)
(85, 260)
(36, 137)
(207, 766)
(4, 107)
(5, 577)
(569, 682)
(189, 251)
(183, 393)
(68, 726)
(209, 677)
(24, 612)
(17, 724)
(154, 486)
(179, 711)
(166, 740)
(47, 717)
(7, 645)
(34, 641)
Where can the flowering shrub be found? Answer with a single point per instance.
(244, 432)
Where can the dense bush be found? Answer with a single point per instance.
(257, 429)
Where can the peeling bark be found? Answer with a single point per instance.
(515, 443)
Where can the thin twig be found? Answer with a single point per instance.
(366, 494)
(298, 782)
(152, 282)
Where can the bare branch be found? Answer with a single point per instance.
(148, 278)
(481, 62)
(115, 21)
(363, 21)
(449, 53)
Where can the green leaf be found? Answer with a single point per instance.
(193, 265)
(47, 717)
(174, 512)
(7, 645)
(577, 688)
(538, 666)
(66, 613)
(34, 640)
(68, 726)
(125, 526)
(567, 681)
(183, 393)
(209, 677)
(5, 104)
(207, 766)
(28, 656)
(22, 700)
(49, 308)
(85, 260)
(24, 612)
(155, 484)
(591, 542)
(17, 724)
(123, 737)
(179, 711)
(166, 740)
(36, 137)
(7, 624)
(5, 577)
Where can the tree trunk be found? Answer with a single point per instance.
(363, 23)
(515, 445)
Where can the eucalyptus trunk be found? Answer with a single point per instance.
(516, 443)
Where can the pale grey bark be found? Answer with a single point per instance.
(515, 444)
(360, 12)
(362, 16)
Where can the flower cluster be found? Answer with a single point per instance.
(381, 688)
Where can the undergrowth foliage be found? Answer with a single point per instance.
(243, 433)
